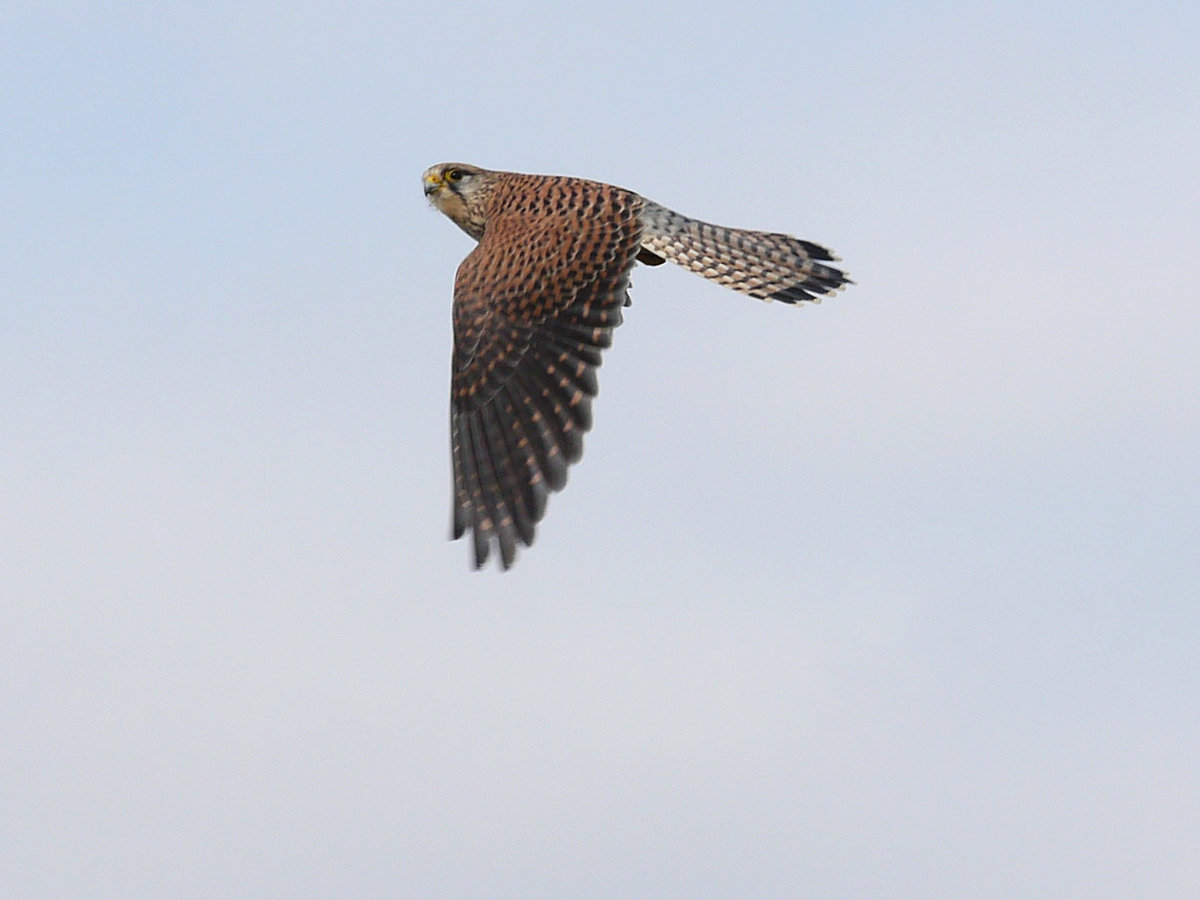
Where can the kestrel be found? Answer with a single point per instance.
(536, 301)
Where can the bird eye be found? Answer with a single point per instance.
(454, 175)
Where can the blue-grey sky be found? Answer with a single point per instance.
(898, 595)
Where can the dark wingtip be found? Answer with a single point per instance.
(816, 251)
(813, 288)
(483, 546)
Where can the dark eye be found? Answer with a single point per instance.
(454, 175)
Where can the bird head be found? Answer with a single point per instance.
(457, 189)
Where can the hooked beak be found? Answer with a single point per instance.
(433, 184)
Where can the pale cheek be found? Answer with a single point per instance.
(456, 209)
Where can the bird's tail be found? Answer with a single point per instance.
(759, 263)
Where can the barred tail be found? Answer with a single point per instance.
(759, 263)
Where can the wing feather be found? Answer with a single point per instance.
(535, 304)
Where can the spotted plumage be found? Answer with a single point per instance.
(535, 303)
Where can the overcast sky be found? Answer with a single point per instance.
(897, 595)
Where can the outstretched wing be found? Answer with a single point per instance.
(535, 303)
(762, 264)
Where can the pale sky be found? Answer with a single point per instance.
(898, 595)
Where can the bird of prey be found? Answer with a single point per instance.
(535, 303)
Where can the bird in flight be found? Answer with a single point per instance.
(535, 303)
